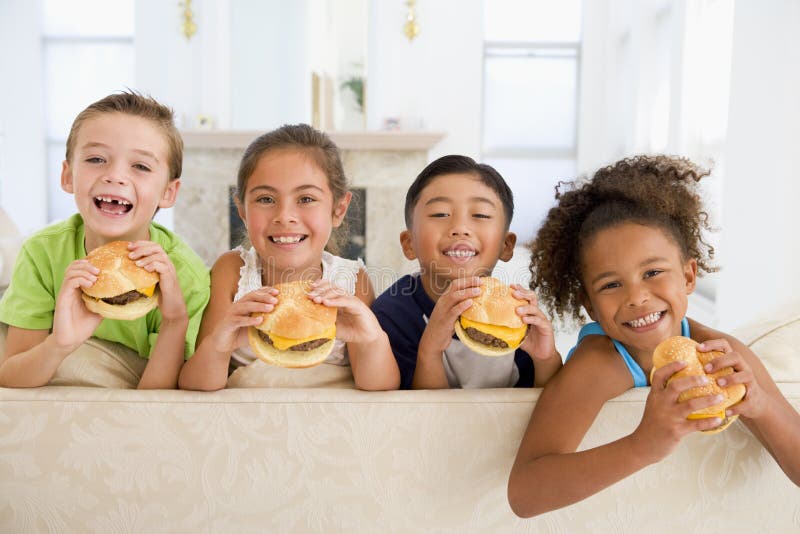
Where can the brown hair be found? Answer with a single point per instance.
(315, 144)
(658, 191)
(138, 105)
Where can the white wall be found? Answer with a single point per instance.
(759, 191)
(165, 61)
(760, 250)
(248, 71)
(269, 66)
(631, 80)
(433, 82)
(23, 191)
(597, 142)
(245, 68)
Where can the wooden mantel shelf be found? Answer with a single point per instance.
(345, 140)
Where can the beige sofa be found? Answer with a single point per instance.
(332, 460)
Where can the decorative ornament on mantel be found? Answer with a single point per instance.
(411, 28)
(188, 27)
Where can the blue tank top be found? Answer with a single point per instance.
(639, 378)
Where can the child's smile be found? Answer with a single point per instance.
(287, 240)
(460, 253)
(112, 205)
(646, 322)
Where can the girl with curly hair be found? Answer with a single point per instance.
(627, 246)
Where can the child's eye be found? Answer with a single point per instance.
(482, 216)
(95, 159)
(610, 285)
(439, 214)
(141, 167)
(652, 272)
(306, 199)
(265, 200)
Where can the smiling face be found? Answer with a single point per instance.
(637, 285)
(290, 212)
(458, 229)
(119, 176)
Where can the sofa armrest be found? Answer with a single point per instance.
(775, 339)
(10, 243)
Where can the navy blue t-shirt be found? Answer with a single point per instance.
(402, 311)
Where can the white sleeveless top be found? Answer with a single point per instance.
(341, 272)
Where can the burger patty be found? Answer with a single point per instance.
(486, 339)
(125, 298)
(308, 345)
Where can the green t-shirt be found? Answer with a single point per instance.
(29, 301)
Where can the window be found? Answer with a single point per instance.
(88, 53)
(530, 96)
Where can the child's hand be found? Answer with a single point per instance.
(151, 257)
(754, 402)
(231, 332)
(454, 301)
(540, 341)
(664, 422)
(73, 323)
(355, 323)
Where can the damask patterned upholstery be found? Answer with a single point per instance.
(80, 459)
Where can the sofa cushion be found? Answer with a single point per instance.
(10, 243)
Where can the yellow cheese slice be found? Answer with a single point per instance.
(147, 291)
(693, 416)
(512, 336)
(283, 343)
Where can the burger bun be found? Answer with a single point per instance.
(126, 312)
(287, 358)
(119, 275)
(680, 348)
(495, 306)
(295, 316)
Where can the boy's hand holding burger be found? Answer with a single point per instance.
(119, 280)
(491, 319)
(539, 340)
(455, 300)
(503, 318)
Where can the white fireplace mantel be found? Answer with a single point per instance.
(349, 140)
(381, 164)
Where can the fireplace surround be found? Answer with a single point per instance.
(379, 166)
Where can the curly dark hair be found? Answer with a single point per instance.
(659, 191)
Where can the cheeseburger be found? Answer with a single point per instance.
(298, 332)
(123, 290)
(491, 326)
(681, 348)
